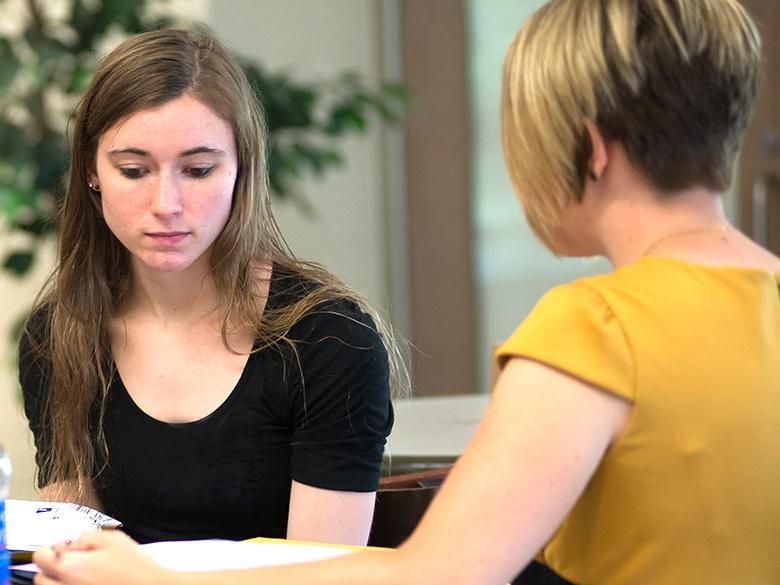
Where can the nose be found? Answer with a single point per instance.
(167, 196)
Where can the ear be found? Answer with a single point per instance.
(600, 156)
(93, 182)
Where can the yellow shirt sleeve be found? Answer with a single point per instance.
(574, 330)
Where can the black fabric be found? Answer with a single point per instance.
(320, 417)
(539, 574)
(33, 377)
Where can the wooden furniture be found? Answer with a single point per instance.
(400, 503)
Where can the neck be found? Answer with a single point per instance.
(661, 223)
(172, 296)
(629, 217)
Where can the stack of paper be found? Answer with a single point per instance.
(31, 525)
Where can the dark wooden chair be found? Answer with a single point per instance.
(400, 503)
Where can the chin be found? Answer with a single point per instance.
(166, 263)
(170, 268)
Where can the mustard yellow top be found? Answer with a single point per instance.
(691, 492)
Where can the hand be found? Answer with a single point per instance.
(98, 558)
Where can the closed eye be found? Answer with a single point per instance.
(133, 173)
(199, 172)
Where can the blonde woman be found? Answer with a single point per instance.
(182, 370)
(631, 437)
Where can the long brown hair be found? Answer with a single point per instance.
(92, 274)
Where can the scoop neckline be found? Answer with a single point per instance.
(225, 404)
(229, 399)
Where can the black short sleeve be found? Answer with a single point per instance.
(341, 407)
(34, 374)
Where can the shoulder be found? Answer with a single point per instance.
(570, 306)
(35, 360)
(287, 287)
(574, 329)
(35, 334)
(656, 291)
(316, 314)
(338, 322)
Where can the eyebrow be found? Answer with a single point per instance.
(188, 152)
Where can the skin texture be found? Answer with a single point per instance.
(542, 437)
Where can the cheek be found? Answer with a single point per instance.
(116, 222)
(110, 212)
(214, 209)
(116, 209)
(123, 210)
(224, 198)
(226, 208)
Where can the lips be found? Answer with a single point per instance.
(167, 238)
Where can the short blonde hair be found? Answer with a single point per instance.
(673, 80)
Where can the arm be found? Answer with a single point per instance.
(541, 440)
(342, 414)
(329, 516)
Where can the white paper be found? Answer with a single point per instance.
(31, 525)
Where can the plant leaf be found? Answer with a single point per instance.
(9, 64)
(16, 203)
(19, 262)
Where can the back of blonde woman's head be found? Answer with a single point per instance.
(674, 81)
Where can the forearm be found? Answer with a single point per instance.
(374, 567)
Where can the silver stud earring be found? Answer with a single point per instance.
(94, 187)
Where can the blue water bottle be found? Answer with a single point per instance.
(5, 488)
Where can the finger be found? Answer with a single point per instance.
(101, 538)
(46, 559)
(61, 547)
(72, 545)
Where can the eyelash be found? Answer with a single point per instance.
(136, 173)
(200, 172)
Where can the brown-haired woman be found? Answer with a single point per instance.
(181, 370)
(631, 437)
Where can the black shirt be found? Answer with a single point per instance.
(320, 418)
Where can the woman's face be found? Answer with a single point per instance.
(166, 179)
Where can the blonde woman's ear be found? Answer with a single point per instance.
(600, 156)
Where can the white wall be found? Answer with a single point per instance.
(314, 40)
